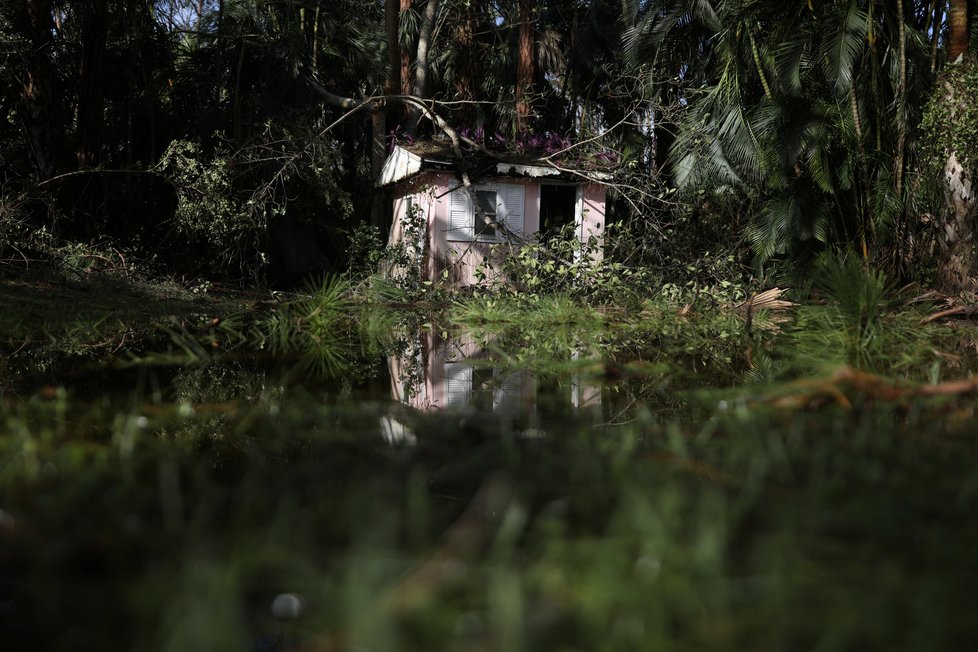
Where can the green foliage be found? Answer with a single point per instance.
(950, 119)
(861, 295)
(364, 252)
(405, 258)
(14, 229)
(529, 311)
(786, 123)
(21, 243)
(209, 212)
(862, 324)
(560, 265)
(861, 292)
(311, 326)
(793, 111)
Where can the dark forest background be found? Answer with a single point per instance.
(240, 139)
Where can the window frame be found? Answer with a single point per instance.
(489, 232)
(468, 232)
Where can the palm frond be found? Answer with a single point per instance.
(842, 47)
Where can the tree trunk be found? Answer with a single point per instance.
(954, 237)
(392, 10)
(378, 154)
(41, 117)
(524, 68)
(405, 57)
(901, 103)
(936, 33)
(957, 16)
(421, 61)
(464, 39)
(392, 85)
(91, 94)
(955, 257)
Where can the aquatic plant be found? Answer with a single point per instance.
(312, 325)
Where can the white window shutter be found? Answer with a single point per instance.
(458, 384)
(461, 215)
(512, 208)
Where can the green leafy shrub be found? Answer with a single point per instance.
(209, 212)
(560, 264)
(364, 252)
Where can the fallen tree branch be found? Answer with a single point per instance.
(950, 312)
(847, 383)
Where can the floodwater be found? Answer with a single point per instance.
(427, 488)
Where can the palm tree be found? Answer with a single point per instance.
(797, 106)
(524, 67)
(957, 16)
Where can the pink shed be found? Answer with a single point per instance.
(437, 219)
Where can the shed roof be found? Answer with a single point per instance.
(406, 160)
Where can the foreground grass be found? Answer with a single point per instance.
(756, 527)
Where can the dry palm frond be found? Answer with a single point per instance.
(767, 300)
(962, 307)
(846, 383)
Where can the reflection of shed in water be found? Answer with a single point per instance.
(457, 374)
(438, 373)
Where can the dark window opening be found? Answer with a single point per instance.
(557, 206)
(482, 387)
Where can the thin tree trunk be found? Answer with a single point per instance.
(392, 85)
(91, 95)
(866, 219)
(957, 15)
(424, 45)
(464, 38)
(40, 115)
(405, 56)
(315, 38)
(936, 35)
(901, 106)
(421, 61)
(378, 154)
(220, 46)
(236, 115)
(524, 68)
(392, 10)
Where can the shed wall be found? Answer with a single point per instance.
(430, 193)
